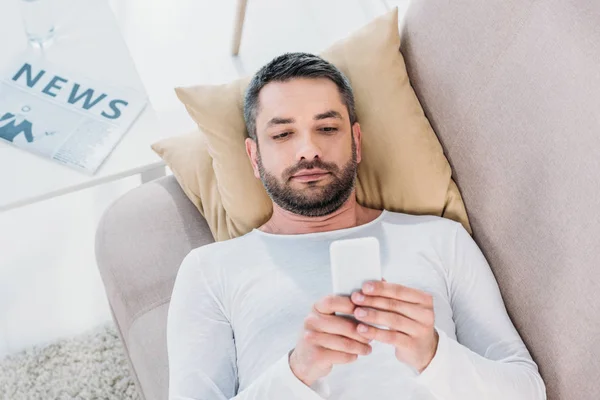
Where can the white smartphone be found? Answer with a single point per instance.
(353, 262)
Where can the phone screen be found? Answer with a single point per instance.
(354, 262)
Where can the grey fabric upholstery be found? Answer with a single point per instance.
(512, 89)
(140, 243)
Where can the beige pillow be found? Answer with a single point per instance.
(188, 158)
(403, 167)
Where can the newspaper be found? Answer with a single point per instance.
(63, 115)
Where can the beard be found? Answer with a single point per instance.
(314, 200)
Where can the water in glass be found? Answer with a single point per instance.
(38, 18)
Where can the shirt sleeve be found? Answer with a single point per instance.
(489, 360)
(201, 348)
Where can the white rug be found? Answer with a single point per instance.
(89, 366)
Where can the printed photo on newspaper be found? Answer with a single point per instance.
(63, 115)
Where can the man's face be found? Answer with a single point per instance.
(307, 152)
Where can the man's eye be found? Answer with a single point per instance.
(328, 129)
(282, 135)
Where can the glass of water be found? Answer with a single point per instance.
(38, 18)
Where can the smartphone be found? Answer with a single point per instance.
(354, 262)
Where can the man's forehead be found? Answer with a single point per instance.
(301, 96)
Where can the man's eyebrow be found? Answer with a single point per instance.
(280, 121)
(328, 114)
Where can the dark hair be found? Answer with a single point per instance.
(289, 66)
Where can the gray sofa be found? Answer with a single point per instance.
(512, 89)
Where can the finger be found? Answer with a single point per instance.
(413, 311)
(394, 321)
(334, 303)
(382, 335)
(337, 343)
(333, 324)
(337, 357)
(397, 291)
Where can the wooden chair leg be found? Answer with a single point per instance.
(239, 26)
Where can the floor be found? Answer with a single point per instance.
(49, 283)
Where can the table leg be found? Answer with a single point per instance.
(152, 174)
(239, 26)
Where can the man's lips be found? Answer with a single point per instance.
(310, 175)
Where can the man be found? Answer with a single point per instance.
(253, 317)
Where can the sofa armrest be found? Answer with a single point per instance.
(140, 243)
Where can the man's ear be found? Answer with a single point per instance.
(252, 151)
(358, 140)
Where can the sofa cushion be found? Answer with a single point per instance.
(140, 242)
(512, 89)
(147, 347)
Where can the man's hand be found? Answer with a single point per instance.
(327, 339)
(407, 312)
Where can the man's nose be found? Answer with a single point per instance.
(308, 148)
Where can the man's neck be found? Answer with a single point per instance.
(349, 215)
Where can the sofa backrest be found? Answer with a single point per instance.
(512, 89)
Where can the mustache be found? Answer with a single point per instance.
(315, 163)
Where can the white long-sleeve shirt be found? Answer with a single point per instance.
(238, 307)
